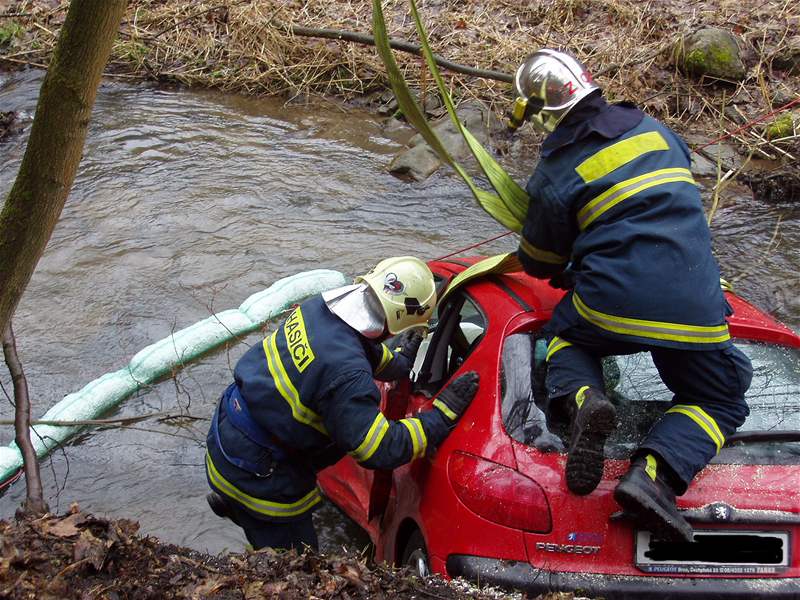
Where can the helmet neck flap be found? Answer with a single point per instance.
(357, 306)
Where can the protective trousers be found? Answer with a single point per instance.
(275, 534)
(708, 389)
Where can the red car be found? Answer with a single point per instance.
(492, 505)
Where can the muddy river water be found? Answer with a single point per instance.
(186, 203)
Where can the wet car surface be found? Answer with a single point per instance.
(491, 504)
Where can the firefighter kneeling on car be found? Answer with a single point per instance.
(305, 397)
(615, 217)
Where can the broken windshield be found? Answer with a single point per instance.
(634, 386)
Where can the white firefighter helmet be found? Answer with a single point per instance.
(548, 85)
(405, 289)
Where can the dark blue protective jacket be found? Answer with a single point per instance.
(613, 198)
(308, 394)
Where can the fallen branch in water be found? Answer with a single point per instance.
(161, 416)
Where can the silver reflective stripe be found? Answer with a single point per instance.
(423, 440)
(704, 420)
(372, 440)
(677, 332)
(625, 189)
(555, 345)
(265, 507)
(416, 432)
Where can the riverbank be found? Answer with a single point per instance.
(82, 556)
(271, 47)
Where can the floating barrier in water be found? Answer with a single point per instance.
(165, 357)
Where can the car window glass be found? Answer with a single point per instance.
(459, 327)
(632, 382)
(523, 392)
(441, 284)
(634, 386)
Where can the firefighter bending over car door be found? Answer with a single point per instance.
(616, 218)
(305, 397)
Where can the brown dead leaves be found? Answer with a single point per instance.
(80, 556)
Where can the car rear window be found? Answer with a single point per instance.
(633, 384)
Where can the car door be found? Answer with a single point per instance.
(457, 328)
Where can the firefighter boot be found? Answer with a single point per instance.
(220, 507)
(593, 418)
(646, 495)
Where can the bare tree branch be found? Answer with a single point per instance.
(403, 46)
(34, 504)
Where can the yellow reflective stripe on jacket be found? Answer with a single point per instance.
(625, 189)
(419, 441)
(372, 440)
(555, 345)
(703, 419)
(676, 332)
(445, 409)
(386, 358)
(616, 155)
(542, 255)
(264, 507)
(286, 388)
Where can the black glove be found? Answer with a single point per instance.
(455, 398)
(408, 343)
(564, 280)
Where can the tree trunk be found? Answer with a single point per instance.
(34, 500)
(55, 145)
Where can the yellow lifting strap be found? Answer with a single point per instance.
(494, 265)
(510, 204)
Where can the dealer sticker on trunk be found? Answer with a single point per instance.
(719, 552)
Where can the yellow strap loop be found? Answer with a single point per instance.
(510, 204)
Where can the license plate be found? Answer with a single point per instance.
(721, 552)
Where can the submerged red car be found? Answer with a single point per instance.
(492, 505)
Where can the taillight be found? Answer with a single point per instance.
(499, 494)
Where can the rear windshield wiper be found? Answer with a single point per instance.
(754, 437)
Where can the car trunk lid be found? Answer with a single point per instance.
(746, 519)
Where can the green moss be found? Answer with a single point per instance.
(10, 31)
(716, 58)
(781, 127)
(696, 61)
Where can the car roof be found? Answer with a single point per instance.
(511, 293)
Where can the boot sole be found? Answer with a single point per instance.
(650, 515)
(219, 508)
(586, 457)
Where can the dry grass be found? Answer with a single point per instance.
(243, 46)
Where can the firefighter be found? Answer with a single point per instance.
(616, 219)
(305, 397)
